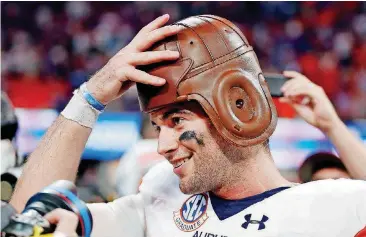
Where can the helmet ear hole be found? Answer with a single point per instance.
(241, 105)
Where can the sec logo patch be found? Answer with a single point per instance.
(192, 214)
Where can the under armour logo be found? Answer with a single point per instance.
(249, 221)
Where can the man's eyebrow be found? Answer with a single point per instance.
(175, 111)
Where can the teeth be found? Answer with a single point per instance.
(181, 162)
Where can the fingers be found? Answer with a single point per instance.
(301, 91)
(297, 89)
(299, 85)
(292, 74)
(299, 94)
(145, 58)
(132, 74)
(113, 80)
(66, 221)
(155, 24)
(296, 78)
(285, 100)
(144, 42)
(291, 100)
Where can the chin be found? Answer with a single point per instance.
(184, 190)
(188, 187)
(184, 187)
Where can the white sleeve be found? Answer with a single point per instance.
(123, 217)
(361, 207)
(355, 200)
(128, 173)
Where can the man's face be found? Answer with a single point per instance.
(188, 140)
(330, 173)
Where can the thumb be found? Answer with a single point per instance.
(66, 221)
(298, 100)
(285, 100)
(302, 106)
(288, 101)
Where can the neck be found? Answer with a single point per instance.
(250, 177)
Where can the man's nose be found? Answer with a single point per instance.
(167, 141)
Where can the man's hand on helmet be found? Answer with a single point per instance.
(120, 73)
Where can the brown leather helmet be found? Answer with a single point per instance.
(218, 69)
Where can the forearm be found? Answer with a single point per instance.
(56, 157)
(351, 150)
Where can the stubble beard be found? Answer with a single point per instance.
(212, 168)
(204, 178)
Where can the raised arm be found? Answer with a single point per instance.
(58, 154)
(312, 104)
(56, 157)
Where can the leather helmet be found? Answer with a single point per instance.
(218, 69)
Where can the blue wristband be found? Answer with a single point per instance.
(90, 99)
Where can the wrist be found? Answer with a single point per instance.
(90, 99)
(80, 111)
(334, 128)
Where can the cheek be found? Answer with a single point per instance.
(207, 157)
(192, 139)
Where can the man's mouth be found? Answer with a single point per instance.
(180, 162)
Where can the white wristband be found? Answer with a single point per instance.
(58, 234)
(80, 111)
(61, 234)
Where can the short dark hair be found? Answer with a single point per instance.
(318, 161)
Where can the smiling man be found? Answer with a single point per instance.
(202, 85)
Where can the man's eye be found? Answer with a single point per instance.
(177, 120)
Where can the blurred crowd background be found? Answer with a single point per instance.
(50, 48)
